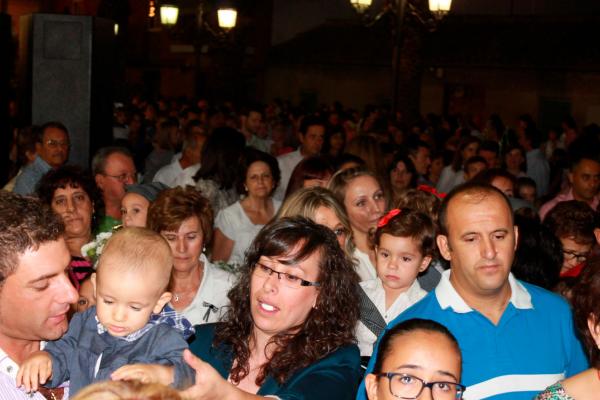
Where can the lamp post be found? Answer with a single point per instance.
(437, 8)
(169, 14)
(227, 18)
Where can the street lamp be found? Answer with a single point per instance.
(227, 18)
(361, 5)
(168, 14)
(437, 8)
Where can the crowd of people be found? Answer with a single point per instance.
(213, 252)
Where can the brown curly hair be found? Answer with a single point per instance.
(572, 219)
(173, 206)
(586, 305)
(329, 325)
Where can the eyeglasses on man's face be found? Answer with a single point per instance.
(286, 279)
(57, 143)
(406, 386)
(124, 178)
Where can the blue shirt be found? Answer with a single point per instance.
(30, 176)
(533, 346)
(84, 356)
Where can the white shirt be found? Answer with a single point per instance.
(235, 224)
(374, 289)
(447, 295)
(8, 379)
(172, 173)
(364, 268)
(212, 291)
(287, 163)
(449, 179)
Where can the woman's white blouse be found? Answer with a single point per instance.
(235, 224)
(211, 300)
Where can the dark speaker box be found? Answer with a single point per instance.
(66, 75)
(6, 66)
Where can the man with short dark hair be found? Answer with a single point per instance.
(584, 177)
(35, 291)
(419, 153)
(311, 136)
(52, 152)
(516, 339)
(250, 121)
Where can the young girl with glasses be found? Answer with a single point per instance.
(404, 243)
(416, 356)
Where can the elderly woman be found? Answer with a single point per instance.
(289, 330)
(71, 193)
(184, 218)
(237, 225)
(362, 196)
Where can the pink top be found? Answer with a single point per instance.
(566, 196)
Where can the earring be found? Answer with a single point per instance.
(204, 249)
(246, 188)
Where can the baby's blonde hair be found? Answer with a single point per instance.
(140, 250)
(127, 390)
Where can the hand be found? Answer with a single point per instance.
(146, 373)
(209, 384)
(34, 371)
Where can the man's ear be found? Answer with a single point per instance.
(371, 385)
(93, 280)
(516, 236)
(162, 301)
(570, 177)
(597, 234)
(444, 246)
(99, 180)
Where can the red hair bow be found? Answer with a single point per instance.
(386, 218)
(429, 189)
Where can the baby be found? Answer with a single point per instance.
(117, 339)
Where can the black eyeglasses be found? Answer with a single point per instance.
(288, 280)
(406, 386)
(578, 257)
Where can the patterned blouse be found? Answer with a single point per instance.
(554, 392)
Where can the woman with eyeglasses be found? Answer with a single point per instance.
(289, 330)
(417, 359)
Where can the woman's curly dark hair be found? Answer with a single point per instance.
(329, 325)
(586, 305)
(67, 175)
